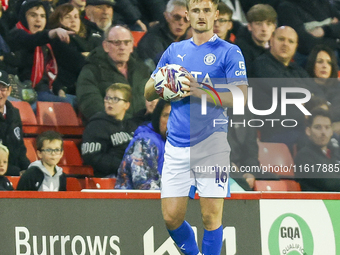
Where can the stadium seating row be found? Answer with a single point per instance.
(75, 184)
(56, 116)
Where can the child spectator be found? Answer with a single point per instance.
(44, 174)
(5, 184)
(107, 134)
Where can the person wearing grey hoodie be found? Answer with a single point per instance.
(44, 174)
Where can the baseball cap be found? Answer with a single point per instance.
(4, 78)
(100, 2)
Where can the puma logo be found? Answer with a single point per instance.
(181, 57)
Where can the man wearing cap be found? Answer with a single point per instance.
(99, 15)
(11, 133)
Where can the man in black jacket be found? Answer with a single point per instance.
(317, 164)
(277, 64)
(111, 63)
(11, 134)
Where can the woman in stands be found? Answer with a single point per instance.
(70, 56)
(31, 42)
(322, 66)
(107, 134)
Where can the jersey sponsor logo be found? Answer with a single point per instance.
(238, 72)
(209, 59)
(241, 65)
(181, 57)
(238, 51)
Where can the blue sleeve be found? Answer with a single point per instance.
(236, 72)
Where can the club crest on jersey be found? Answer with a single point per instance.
(209, 59)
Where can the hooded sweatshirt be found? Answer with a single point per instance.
(37, 178)
(104, 142)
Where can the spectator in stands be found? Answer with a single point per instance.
(11, 134)
(315, 22)
(142, 163)
(152, 11)
(99, 16)
(5, 184)
(277, 64)
(79, 4)
(145, 114)
(254, 40)
(70, 56)
(31, 41)
(323, 67)
(44, 174)
(224, 22)
(111, 63)
(7, 58)
(128, 12)
(159, 37)
(318, 156)
(102, 14)
(107, 134)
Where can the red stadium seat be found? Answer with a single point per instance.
(292, 185)
(100, 183)
(77, 171)
(71, 154)
(56, 114)
(73, 184)
(26, 113)
(14, 180)
(31, 151)
(276, 158)
(282, 185)
(137, 35)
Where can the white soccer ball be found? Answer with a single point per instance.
(168, 82)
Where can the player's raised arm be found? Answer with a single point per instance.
(149, 91)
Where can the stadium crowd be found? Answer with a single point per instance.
(86, 53)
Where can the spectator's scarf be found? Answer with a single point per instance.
(38, 62)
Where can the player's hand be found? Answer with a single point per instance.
(192, 89)
(62, 34)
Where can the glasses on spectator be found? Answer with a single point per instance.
(51, 151)
(222, 21)
(113, 99)
(178, 17)
(119, 42)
